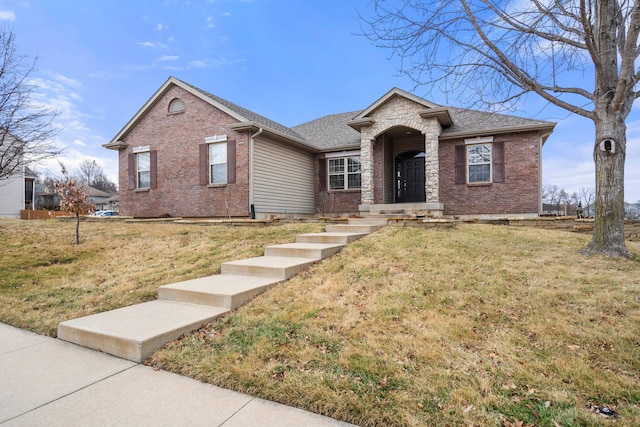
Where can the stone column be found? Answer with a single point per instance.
(366, 156)
(431, 162)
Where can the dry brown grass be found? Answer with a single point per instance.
(45, 278)
(476, 325)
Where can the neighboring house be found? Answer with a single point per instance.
(16, 193)
(48, 199)
(189, 153)
(112, 203)
(97, 197)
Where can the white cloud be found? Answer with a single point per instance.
(152, 45)
(165, 58)
(161, 27)
(197, 64)
(7, 15)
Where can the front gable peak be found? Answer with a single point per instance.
(389, 101)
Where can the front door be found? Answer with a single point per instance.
(410, 178)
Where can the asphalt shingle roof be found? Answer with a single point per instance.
(248, 114)
(332, 132)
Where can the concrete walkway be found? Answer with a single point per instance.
(44, 381)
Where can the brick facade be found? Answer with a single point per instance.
(176, 138)
(391, 127)
(336, 202)
(518, 194)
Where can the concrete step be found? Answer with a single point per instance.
(221, 290)
(329, 237)
(275, 267)
(349, 228)
(304, 250)
(135, 332)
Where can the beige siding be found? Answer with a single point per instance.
(282, 179)
(402, 145)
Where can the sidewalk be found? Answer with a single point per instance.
(45, 381)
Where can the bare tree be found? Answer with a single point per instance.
(91, 174)
(25, 129)
(587, 196)
(497, 51)
(550, 195)
(74, 198)
(87, 172)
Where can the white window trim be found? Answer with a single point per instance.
(215, 138)
(354, 153)
(210, 142)
(479, 140)
(142, 150)
(485, 141)
(345, 173)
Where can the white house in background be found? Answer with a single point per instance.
(16, 193)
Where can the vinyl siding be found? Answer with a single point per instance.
(12, 196)
(283, 179)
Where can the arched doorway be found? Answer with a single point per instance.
(410, 184)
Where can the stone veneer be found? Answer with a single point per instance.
(399, 111)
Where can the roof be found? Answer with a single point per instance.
(341, 131)
(246, 118)
(330, 131)
(472, 122)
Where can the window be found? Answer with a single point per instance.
(143, 170)
(218, 163)
(479, 163)
(345, 173)
(176, 106)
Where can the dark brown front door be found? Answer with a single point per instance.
(410, 178)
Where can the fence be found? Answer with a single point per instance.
(39, 214)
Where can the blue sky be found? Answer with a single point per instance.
(291, 61)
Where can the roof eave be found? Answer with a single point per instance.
(545, 128)
(442, 114)
(358, 124)
(116, 145)
(340, 148)
(250, 126)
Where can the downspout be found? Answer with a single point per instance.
(251, 172)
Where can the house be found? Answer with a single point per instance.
(46, 198)
(189, 153)
(17, 192)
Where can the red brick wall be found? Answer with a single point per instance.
(517, 194)
(176, 138)
(333, 203)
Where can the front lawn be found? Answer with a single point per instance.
(45, 278)
(472, 325)
(475, 325)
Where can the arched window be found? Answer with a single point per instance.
(176, 106)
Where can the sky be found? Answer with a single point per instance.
(99, 61)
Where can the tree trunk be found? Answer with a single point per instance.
(609, 155)
(77, 229)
